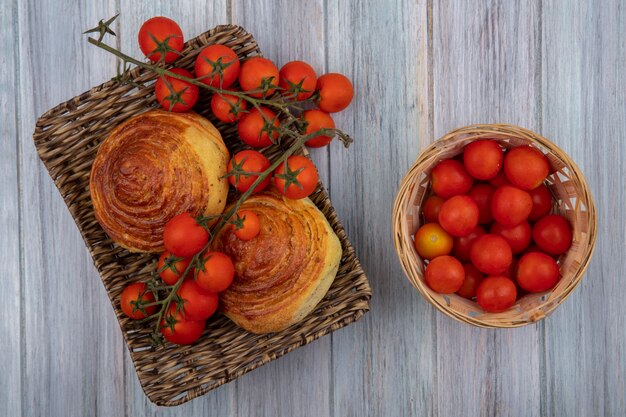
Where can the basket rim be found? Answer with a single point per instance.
(402, 239)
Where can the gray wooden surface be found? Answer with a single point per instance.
(420, 69)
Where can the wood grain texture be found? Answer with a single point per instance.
(584, 104)
(10, 240)
(384, 365)
(420, 68)
(484, 69)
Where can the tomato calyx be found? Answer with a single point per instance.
(290, 177)
(103, 28)
(236, 108)
(295, 89)
(174, 97)
(238, 223)
(266, 85)
(170, 263)
(217, 68)
(163, 47)
(140, 304)
(205, 221)
(237, 171)
(269, 128)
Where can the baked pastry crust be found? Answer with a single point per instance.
(283, 273)
(152, 167)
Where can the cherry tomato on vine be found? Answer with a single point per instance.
(537, 272)
(259, 77)
(449, 178)
(526, 167)
(316, 120)
(133, 300)
(296, 177)
(297, 80)
(217, 66)
(510, 206)
(445, 274)
(171, 267)
(496, 294)
(459, 215)
(174, 94)
(178, 330)
(217, 272)
(431, 209)
(161, 35)
(198, 304)
(259, 128)
(228, 108)
(246, 225)
(483, 159)
(248, 161)
(183, 236)
(553, 234)
(491, 254)
(431, 241)
(335, 92)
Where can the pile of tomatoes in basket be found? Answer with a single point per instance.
(489, 233)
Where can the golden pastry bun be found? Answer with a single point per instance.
(153, 167)
(284, 272)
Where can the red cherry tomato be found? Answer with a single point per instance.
(526, 167)
(227, 108)
(449, 178)
(335, 92)
(463, 245)
(297, 80)
(473, 278)
(459, 215)
(482, 194)
(247, 225)
(553, 234)
(164, 31)
(510, 206)
(518, 236)
(499, 179)
(316, 120)
(217, 272)
(496, 294)
(179, 330)
(537, 272)
(217, 66)
(491, 254)
(134, 299)
(483, 159)
(197, 303)
(259, 77)
(259, 128)
(444, 274)
(171, 267)
(183, 236)
(248, 161)
(542, 202)
(174, 94)
(296, 178)
(432, 206)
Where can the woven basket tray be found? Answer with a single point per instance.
(67, 138)
(572, 200)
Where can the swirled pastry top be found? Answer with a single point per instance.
(152, 167)
(284, 272)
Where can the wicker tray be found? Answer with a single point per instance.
(67, 138)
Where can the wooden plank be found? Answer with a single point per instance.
(194, 17)
(72, 350)
(484, 71)
(385, 364)
(584, 56)
(297, 384)
(10, 239)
